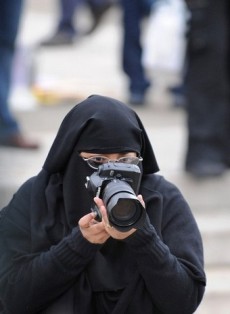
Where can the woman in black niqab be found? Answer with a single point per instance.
(44, 255)
(99, 125)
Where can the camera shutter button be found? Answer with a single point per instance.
(111, 173)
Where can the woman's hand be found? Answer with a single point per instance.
(99, 232)
(92, 230)
(114, 233)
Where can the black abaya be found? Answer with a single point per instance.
(47, 265)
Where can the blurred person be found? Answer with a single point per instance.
(10, 133)
(134, 13)
(207, 85)
(66, 31)
(57, 253)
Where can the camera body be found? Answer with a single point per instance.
(117, 185)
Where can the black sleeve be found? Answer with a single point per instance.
(29, 282)
(171, 264)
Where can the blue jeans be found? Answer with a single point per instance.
(133, 13)
(9, 21)
(67, 11)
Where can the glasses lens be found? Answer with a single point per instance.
(95, 162)
(130, 160)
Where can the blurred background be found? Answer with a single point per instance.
(48, 79)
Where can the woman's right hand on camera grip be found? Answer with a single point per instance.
(92, 230)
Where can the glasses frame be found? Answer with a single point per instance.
(139, 159)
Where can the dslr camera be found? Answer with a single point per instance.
(117, 185)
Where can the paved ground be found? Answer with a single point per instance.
(92, 66)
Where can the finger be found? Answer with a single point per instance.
(97, 227)
(140, 198)
(98, 201)
(86, 220)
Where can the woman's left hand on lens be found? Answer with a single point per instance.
(113, 232)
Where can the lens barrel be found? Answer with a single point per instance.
(123, 207)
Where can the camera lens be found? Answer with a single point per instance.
(124, 210)
(123, 207)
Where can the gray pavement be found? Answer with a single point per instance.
(92, 66)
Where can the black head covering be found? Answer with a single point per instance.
(98, 124)
(103, 125)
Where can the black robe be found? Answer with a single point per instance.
(47, 266)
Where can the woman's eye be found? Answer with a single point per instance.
(100, 159)
(125, 159)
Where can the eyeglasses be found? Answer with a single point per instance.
(95, 161)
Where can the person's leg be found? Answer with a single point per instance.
(9, 20)
(98, 8)
(228, 70)
(66, 31)
(67, 12)
(132, 49)
(10, 134)
(207, 90)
